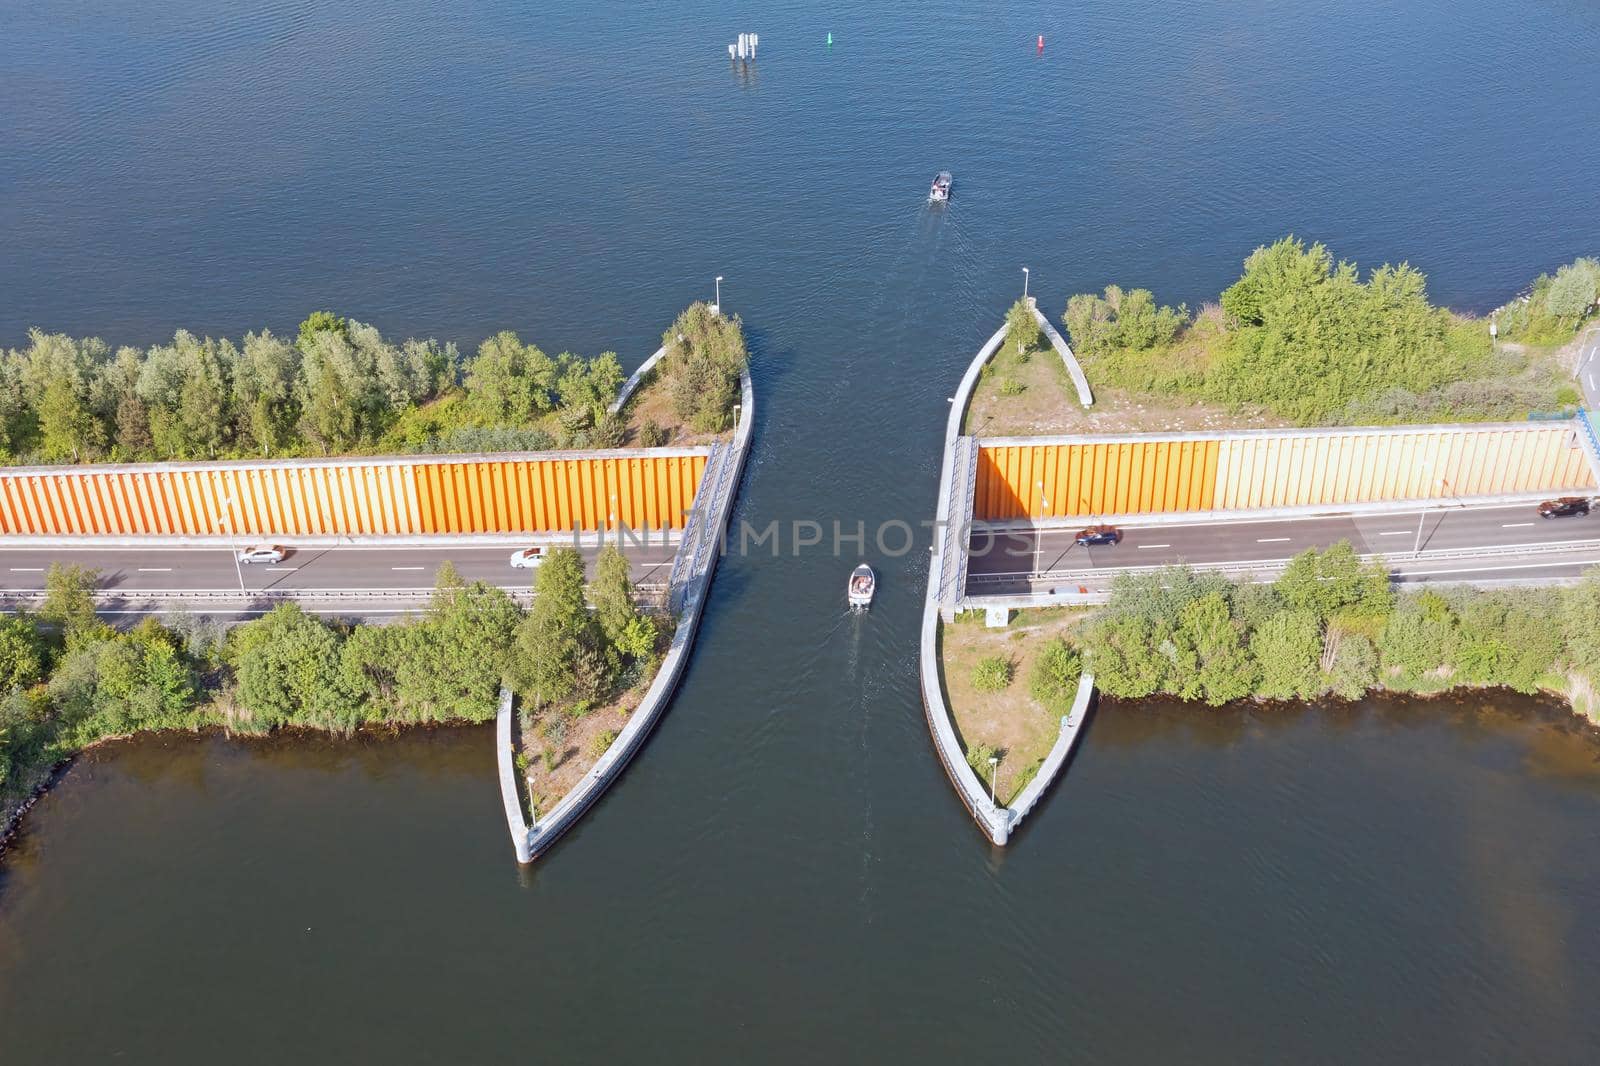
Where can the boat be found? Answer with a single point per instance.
(940, 192)
(863, 583)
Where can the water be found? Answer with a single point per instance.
(785, 872)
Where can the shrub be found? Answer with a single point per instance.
(992, 674)
(1054, 678)
(602, 742)
(652, 435)
(1012, 387)
(1023, 329)
(978, 758)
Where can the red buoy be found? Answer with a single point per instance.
(1041, 42)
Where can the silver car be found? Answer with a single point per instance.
(271, 554)
(527, 558)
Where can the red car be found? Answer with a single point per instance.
(1566, 507)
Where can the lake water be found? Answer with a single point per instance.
(785, 873)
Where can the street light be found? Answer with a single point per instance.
(1024, 283)
(994, 773)
(226, 522)
(719, 294)
(1416, 549)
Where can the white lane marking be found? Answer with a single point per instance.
(27, 569)
(1272, 540)
(1514, 525)
(407, 568)
(1395, 533)
(155, 569)
(1143, 546)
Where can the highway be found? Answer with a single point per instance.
(363, 580)
(1589, 369)
(1005, 564)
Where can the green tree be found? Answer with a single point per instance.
(1417, 639)
(1354, 668)
(1215, 643)
(1053, 681)
(1022, 327)
(705, 355)
(287, 665)
(1325, 582)
(556, 633)
(1580, 615)
(1286, 649)
(612, 593)
(320, 322)
(69, 598)
(451, 663)
(22, 653)
(1574, 290)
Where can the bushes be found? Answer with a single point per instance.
(1555, 306)
(1022, 329)
(992, 674)
(704, 359)
(1331, 625)
(1054, 678)
(1303, 336)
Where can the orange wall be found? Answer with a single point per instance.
(1152, 475)
(506, 494)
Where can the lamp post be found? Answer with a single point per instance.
(719, 294)
(1024, 283)
(994, 774)
(1416, 549)
(226, 522)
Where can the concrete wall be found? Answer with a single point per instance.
(529, 492)
(1156, 474)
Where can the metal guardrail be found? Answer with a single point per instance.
(519, 593)
(1246, 566)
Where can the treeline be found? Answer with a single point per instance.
(1555, 306)
(67, 679)
(1333, 625)
(340, 387)
(1307, 338)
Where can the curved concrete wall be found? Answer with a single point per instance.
(530, 492)
(710, 520)
(1151, 474)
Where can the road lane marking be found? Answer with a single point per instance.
(1143, 546)
(407, 568)
(1272, 540)
(1514, 525)
(1395, 533)
(27, 569)
(155, 569)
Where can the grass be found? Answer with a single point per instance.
(652, 404)
(1008, 722)
(1027, 397)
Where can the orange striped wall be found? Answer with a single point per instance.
(524, 493)
(1153, 475)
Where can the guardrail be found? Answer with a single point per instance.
(522, 594)
(1437, 555)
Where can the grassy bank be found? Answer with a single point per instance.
(1304, 338)
(1007, 690)
(67, 680)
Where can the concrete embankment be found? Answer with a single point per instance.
(1059, 343)
(944, 592)
(690, 584)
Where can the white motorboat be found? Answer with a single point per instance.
(863, 583)
(940, 191)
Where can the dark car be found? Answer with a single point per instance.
(1098, 535)
(1566, 507)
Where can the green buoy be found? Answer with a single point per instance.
(830, 38)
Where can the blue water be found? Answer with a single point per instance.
(785, 874)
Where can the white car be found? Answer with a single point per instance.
(262, 553)
(527, 558)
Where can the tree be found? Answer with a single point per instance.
(1417, 639)
(320, 322)
(555, 633)
(705, 355)
(67, 429)
(69, 599)
(264, 399)
(450, 664)
(287, 664)
(1580, 612)
(1285, 649)
(1022, 327)
(508, 382)
(1574, 290)
(1224, 671)
(1327, 581)
(1053, 680)
(612, 593)
(22, 653)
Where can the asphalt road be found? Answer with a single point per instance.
(307, 570)
(1005, 566)
(1589, 369)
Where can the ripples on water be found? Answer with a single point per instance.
(785, 872)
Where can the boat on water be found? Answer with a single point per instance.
(940, 191)
(863, 583)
